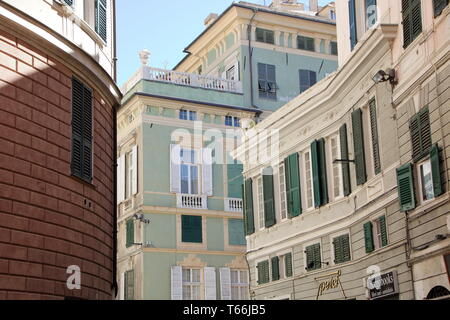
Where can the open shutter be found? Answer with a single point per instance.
(439, 6)
(87, 134)
(412, 20)
(263, 272)
(275, 268)
(425, 132)
(323, 172)
(368, 237)
(130, 232)
(207, 183)
(358, 141)
(225, 283)
(352, 23)
(436, 171)
(383, 231)
(101, 18)
(176, 283)
(288, 265)
(344, 156)
(134, 163)
(248, 207)
(269, 203)
(77, 128)
(374, 132)
(175, 181)
(121, 179)
(210, 283)
(405, 185)
(316, 174)
(293, 195)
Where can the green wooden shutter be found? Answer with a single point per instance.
(293, 195)
(313, 257)
(263, 272)
(352, 23)
(374, 131)
(439, 6)
(269, 203)
(346, 254)
(316, 174)
(344, 156)
(436, 171)
(323, 172)
(130, 233)
(368, 237)
(383, 231)
(358, 142)
(405, 185)
(101, 19)
(275, 268)
(129, 285)
(338, 251)
(77, 128)
(69, 2)
(342, 249)
(248, 207)
(317, 256)
(412, 20)
(288, 265)
(419, 127)
(191, 229)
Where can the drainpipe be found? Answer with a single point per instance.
(408, 253)
(249, 36)
(115, 211)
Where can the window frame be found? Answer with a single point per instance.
(240, 285)
(260, 197)
(304, 181)
(376, 233)
(305, 41)
(191, 284)
(305, 257)
(332, 254)
(201, 231)
(419, 178)
(332, 166)
(282, 192)
(264, 34)
(267, 88)
(190, 165)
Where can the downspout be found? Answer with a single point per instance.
(408, 254)
(249, 36)
(115, 211)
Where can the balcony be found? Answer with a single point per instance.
(183, 79)
(190, 201)
(233, 205)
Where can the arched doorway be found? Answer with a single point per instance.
(438, 292)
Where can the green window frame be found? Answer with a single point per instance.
(129, 232)
(191, 229)
(420, 131)
(263, 272)
(381, 234)
(368, 237)
(313, 257)
(264, 35)
(412, 20)
(293, 192)
(249, 218)
(341, 246)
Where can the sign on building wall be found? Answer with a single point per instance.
(383, 286)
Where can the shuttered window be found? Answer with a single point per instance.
(371, 13)
(263, 272)
(439, 6)
(129, 233)
(288, 269)
(293, 193)
(435, 160)
(405, 186)
(101, 18)
(308, 78)
(358, 143)
(248, 207)
(352, 23)
(69, 2)
(333, 48)
(341, 249)
(313, 257)
(81, 164)
(344, 156)
(267, 82)
(419, 127)
(382, 229)
(129, 285)
(374, 133)
(191, 229)
(264, 35)
(306, 43)
(368, 237)
(319, 173)
(275, 268)
(412, 20)
(269, 201)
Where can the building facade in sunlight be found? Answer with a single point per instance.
(354, 203)
(57, 149)
(181, 228)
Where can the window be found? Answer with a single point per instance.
(352, 24)
(231, 73)
(336, 167)
(374, 134)
(259, 182)
(69, 2)
(420, 131)
(359, 147)
(375, 234)
(267, 83)
(189, 172)
(307, 79)
(412, 20)
(130, 173)
(263, 272)
(282, 184)
(308, 180)
(306, 43)
(333, 48)
(293, 189)
(185, 115)
(191, 229)
(232, 121)
(248, 207)
(263, 35)
(288, 267)
(319, 173)
(344, 156)
(236, 236)
(269, 201)
(371, 13)
(341, 246)
(426, 181)
(313, 257)
(129, 285)
(101, 18)
(332, 14)
(239, 284)
(129, 232)
(191, 284)
(439, 6)
(81, 164)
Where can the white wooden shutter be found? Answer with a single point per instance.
(121, 179)
(176, 283)
(210, 283)
(134, 163)
(175, 181)
(207, 183)
(225, 283)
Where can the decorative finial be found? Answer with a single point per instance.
(144, 55)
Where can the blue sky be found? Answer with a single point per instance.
(164, 27)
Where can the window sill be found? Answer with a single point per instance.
(85, 182)
(428, 206)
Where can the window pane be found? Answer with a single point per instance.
(234, 293)
(194, 180)
(186, 275)
(183, 114)
(195, 275)
(244, 277)
(234, 276)
(193, 115)
(186, 292)
(244, 293)
(237, 122)
(260, 203)
(195, 292)
(184, 179)
(427, 181)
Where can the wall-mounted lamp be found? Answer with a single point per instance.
(383, 76)
(141, 218)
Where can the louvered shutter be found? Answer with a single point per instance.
(345, 247)
(225, 283)
(248, 207)
(420, 130)
(293, 195)
(352, 24)
(130, 232)
(176, 291)
(175, 179)
(87, 135)
(275, 268)
(436, 171)
(439, 6)
(317, 256)
(77, 127)
(383, 231)
(405, 185)
(134, 177)
(288, 265)
(69, 2)
(310, 264)
(121, 179)
(338, 250)
(269, 202)
(323, 172)
(210, 283)
(101, 18)
(207, 183)
(316, 174)
(358, 141)
(344, 156)
(263, 272)
(374, 132)
(129, 285)
(412, 20)
(368, 237)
